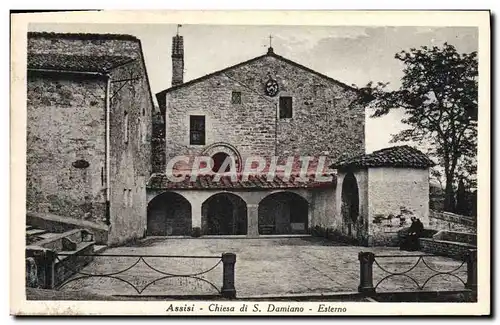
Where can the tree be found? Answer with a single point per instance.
(462, 204)
(438, 93)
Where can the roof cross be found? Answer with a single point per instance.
(270, 41)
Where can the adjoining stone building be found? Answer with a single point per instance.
(89, 111)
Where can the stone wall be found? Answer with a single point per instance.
(131, 159)
(158, 154)
(396, 194)
(451, 221)
(320, 108)
(445, 248)
(455, 236)
(66, 123)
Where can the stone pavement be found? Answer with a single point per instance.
(270, 266)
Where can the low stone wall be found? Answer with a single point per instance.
(451, 249)
(454, 236)
(67, 266)
(58, 224)
(46, 269)
(452, 222)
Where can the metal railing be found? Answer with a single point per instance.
(52, 265)
(367, 260)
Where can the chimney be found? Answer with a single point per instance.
(177, 60)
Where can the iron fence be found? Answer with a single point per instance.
(58, 270)
(368, 260)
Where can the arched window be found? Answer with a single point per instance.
(219, 159)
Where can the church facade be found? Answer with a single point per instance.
(268, 107)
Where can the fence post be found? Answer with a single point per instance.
(366, 272)
(44, 260)
(472, 270)
(228, 289)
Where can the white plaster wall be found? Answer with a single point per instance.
(389, 189)
(323, 208)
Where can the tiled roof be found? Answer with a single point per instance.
(83, 36)
(399, 156)
(269, 53)
(207, 182)
(81, 63)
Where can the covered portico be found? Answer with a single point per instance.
(248, 208)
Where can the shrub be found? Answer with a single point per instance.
(196, 232)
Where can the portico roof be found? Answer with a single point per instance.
(252, 182)
(398, 156)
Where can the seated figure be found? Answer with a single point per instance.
(410, 242)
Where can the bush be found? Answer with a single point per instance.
(196, 232)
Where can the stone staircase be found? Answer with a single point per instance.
(54, 257)
(34, 234)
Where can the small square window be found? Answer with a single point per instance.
(236, 97)
(286, 107)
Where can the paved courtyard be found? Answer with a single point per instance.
(270, 266)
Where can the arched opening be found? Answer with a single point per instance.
(350, 203)
(169, 214)
(224, 214)
(283, 213)
(219, 159)
(220, 151)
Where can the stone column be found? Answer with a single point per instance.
(253, 220)
(228, 290)
(196, 218)
(366, 260)
(472, 270)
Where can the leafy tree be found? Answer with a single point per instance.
(438, 94)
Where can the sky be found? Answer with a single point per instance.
(354, 55)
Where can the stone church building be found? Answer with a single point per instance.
(268, 106)
(98, 159)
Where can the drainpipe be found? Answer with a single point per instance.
(107, 148)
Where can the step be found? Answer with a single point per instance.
(33, 240)
(35, 232)
(99, 248)
(48, 235)
(29, 227)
